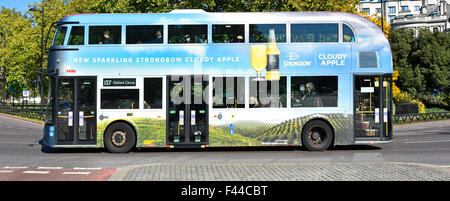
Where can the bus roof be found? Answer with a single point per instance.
(200, 16)
(360, 24)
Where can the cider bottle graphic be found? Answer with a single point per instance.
(273, 58)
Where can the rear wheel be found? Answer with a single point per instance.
(119, 138)
(317, 136)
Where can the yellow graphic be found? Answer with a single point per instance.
(266, 57)
(273, 58)
(258, 59)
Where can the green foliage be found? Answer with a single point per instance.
(437, 100)
(421, 105)
(403, 97)
(159, 6)
(423, 62)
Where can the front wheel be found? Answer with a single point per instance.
(317, 136)
(119, 138)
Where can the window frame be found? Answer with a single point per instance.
(287, 32)
(211, 97)
(120, 88)
(163, 29)
(68, 29)
(122, 34)
(339, 33)
(163, 99)
(323, 75)
(247, 93)
(246, 34)
(208, 34)
(84, 36)
(341, 30)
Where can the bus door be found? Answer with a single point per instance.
(372, 103)
(187, 112)
(76, 111)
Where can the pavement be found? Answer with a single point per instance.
(413, 145)
(299, 171)
(365, 171)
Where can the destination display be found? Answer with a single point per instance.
(119, 82)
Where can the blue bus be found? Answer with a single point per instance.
(191, 78)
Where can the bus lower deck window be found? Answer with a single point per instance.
(314, 91)
(267, 93)
(153, 93)
(229, 92)
(119, 99)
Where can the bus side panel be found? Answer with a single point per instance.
(254, 131)
(150, 132)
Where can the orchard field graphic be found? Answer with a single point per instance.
(151, 132)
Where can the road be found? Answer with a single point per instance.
(21, 157)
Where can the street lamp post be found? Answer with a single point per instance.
(41, 73)
(382, 15)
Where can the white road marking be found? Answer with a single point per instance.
(83, 168)
(50, 168)
(434, 141)
(8, 167)
(75, 173)
(18, 142)
(36, 172)
(6, 171)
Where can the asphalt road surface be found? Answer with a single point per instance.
(21, 157)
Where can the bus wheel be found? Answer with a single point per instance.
(119, 138)
(317, 136)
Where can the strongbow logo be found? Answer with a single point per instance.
(292, 60)
(292, 56)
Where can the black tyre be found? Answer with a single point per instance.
(119, 138)
(317, 136)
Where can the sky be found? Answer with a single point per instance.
(20, 5)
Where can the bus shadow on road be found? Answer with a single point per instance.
(210, 149)
(46, 149)
(243, 149)
(355, 147)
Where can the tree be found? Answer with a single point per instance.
(18, 54)
(423, 62)
(157, 6)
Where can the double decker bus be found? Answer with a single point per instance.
(191, 78)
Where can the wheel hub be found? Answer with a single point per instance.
(316, 136)
(119, 138)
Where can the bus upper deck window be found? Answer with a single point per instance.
(188, 34)
(228, 33)
(348, 35)
(144, 34)
(105, 35)
(314, 33)
(59, 36)
(76, 36)
(259, 33)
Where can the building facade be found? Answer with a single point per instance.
(412, 14)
